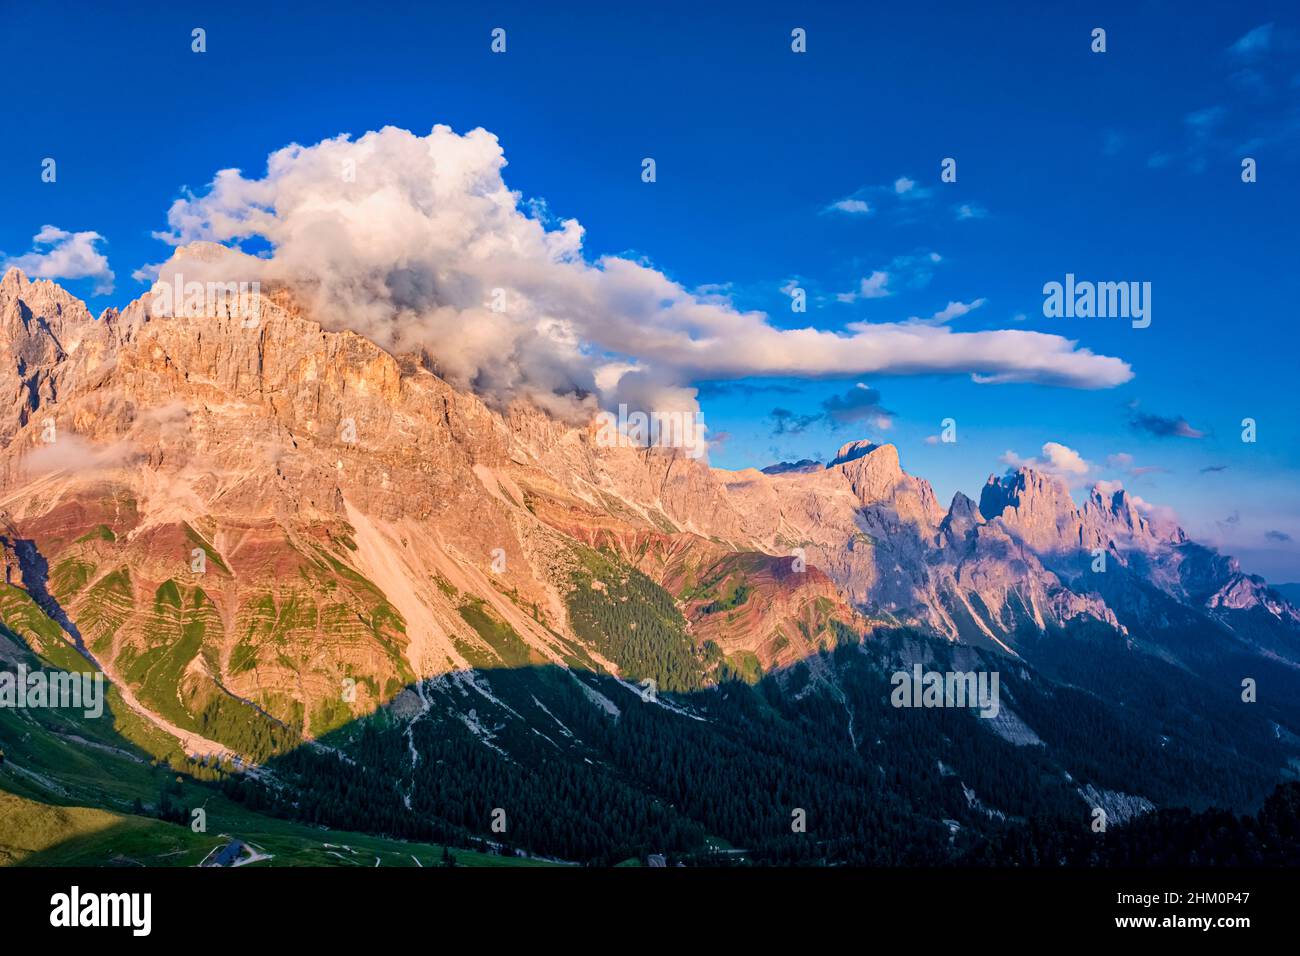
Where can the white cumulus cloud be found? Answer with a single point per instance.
(854, 207)
(59, 254)
(1057, 459)
(418, 243)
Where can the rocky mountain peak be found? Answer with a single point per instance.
(13, 281)
(875, 474)
(1030, 494)
(44, 299)
(854, 450)
(1121, 514)
(1115, 506)
(962, 516)
(962, 506)
(201, 251)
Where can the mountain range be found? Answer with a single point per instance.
(331, 588)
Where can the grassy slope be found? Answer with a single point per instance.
(64, 802)
(41, 834)
(68, 785)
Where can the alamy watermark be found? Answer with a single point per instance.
(67, 690)
(1098, 300)
(684, 429)
(208, 300)
(947, 689)
(133, 911)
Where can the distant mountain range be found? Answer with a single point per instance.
(364, 599)
(1289, 591)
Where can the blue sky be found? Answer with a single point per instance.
(1118, 166)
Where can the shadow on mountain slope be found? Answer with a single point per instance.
(585, 767)
(36, 574)
(807, 765)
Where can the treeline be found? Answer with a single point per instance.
(634, 622)
(1128, 721)
(1174, 837)
(243, 728)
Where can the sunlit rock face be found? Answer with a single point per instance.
(262, 511)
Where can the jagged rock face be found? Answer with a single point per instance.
(1038, 510)
(268, 512)
(961, 519)
(35, 319)
(1036, 507)
(863, 521)
(353, 516)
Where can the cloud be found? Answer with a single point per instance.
(969, 211)
(916, 269)
(1251, 80)
(1279, 536)
(1201, 123)
(1229, 523)
(1213, 468)
(1225, 132)
(786, 422)
(170, 420)
(860, 403)
(1123, 461)
(953, 310)
(913, 271)
(1201, 127)
(902, 191)
(1163, 427)
(407, 239)
(872, 287)
(74, 454)
(743, 389)
(1160, 514)
(854, 207)
(1157, 514)
(1057, 459)
(1206, 118)
(1253, 43)
(1064, 460)
(66, 255)
(906, 189)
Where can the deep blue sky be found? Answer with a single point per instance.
(1115, 166)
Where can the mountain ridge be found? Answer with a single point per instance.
(289, 453)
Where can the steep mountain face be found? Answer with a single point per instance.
(257, 515)
(262, 534)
